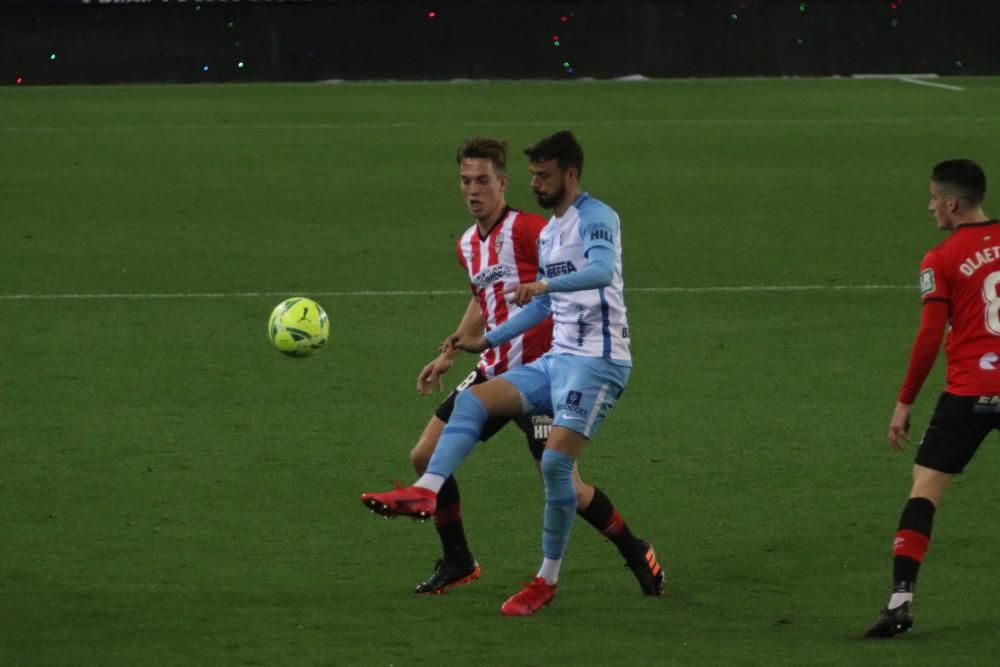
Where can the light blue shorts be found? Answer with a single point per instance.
(577, 390)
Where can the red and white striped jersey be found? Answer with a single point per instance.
(505, 257)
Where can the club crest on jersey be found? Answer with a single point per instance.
(926, 282)
(498, 244)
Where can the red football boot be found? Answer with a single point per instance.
(529, 599)
(413, 501)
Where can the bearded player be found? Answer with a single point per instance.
(500, 251)
(581, 377)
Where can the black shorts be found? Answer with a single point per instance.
(536, 427)
(958, 426)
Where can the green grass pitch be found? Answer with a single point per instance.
(175, 491)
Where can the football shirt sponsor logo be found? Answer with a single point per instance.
(988, 362)
(490, 275)
(559, 269)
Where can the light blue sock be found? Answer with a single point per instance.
(560, 502)
(460, 435)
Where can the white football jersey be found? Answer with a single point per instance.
(589, 323)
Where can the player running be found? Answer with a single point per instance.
(499, 251)
(578, 380)
(960, 285)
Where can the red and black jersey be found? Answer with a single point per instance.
(963, 272)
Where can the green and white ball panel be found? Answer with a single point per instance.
(298, 327)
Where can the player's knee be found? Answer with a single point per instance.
(930, 484)
(468, 403)
(557, 466)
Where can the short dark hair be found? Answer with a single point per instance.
(494, 150)
(561, 147)
(965, 177)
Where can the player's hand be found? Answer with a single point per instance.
(431, 375)
(899, 427)
(525, 292)
(466, 342)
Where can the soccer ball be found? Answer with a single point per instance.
(298, 327)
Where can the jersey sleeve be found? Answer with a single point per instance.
(598, 232)
(925, 348)
(933, 279)
(599, 273)
(533, 313)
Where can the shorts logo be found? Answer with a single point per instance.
(498, 244)
(542, 426)
(571, 408)
(926, 282)
(987, 405)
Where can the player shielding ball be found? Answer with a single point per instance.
(500, 251)
(579, 380)
(960, 286)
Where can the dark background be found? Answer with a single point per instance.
(105, 41)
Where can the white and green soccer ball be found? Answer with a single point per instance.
(298, 327)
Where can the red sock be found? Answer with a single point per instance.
(911, 544)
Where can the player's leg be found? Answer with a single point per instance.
(456, 565)
(640, 556)
(558, 466)
(473, 408)
(597, 509)
(951, 440)
(582, 390)
(913, 536)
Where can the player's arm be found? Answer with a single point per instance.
(471, 325)
(933, 320)
(534, 313)
(598, 248)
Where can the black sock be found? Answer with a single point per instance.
(448, 521)
(603, 516)
(912, 540)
